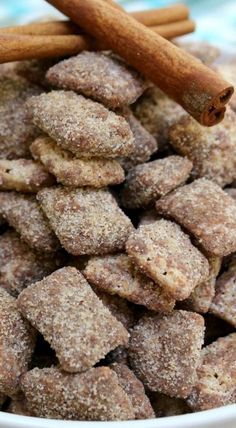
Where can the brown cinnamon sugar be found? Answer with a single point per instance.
(224, 301)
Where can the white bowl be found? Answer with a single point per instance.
(224, 417)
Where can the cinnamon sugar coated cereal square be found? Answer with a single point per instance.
(211, 150)
(101, 76)
(148, 182)
(34, 70)
(86, 221)
(16, 130)
(24, 214)
(72, 172)
(94, 395)
(207, 212)
(80, 125)
(165, 253)
(135, 390)
(23, 175)
(70, 316)
(17, 340)
(164, 351)
(116, 274)
(224, 301)
(216, 382)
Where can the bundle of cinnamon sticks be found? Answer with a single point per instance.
(138, 38)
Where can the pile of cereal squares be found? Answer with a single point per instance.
(117, 244)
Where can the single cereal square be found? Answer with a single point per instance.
(95, 395)
(116, 274)
(80, 125)
(165, 253)
(23, 175)
(18, 406)
(70, 316)
(207, 212)
(216, 384)
(148, 182)
(101, 76)
(17, 340)
(34, 70)
(224, 302)
(86, 221)
(72, 172)
(16, 130)
(211, 150)
(165, 351)
(135, 390)
(24, 214)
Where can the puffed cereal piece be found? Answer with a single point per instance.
(164, 351)
(211, 150)
(168, 406)
(80, 125)
(206, 52)
(148, 182)
(228, 72)
(157, 113)
(18, 406)
(23, 175)
(34, 70)
(207, 212)
(70, 316)
(101, 76)
(16, 130)
(165, 253)
(216, 383)
(201, 297)
(20, 266)
(224, 301)
(94, 172)
(17, 341)
(116, 274)
(95, 395)
(135, 390)
(24, 214)
(86, 221)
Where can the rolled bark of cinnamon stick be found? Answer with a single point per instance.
(200, 90)
(175, 29)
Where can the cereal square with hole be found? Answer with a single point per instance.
(23, 212)
(73, 172)
(148, 182)
(74, 321)
(86, 221)
(80, 125)
(224, 301)
(165, 351)
(101, 76)
(206, 211)
(95, 395)
(216, 376)
(116, 274)
(165, 253)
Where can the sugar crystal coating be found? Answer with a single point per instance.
(224, 301)
(206, 211)
(64, 308)
(164, 351)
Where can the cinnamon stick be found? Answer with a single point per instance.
(175, 29)
(200, 90)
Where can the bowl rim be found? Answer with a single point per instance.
(191, 420)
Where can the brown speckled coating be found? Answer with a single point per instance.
(224, 302)
(34, 70)
(116, 274)
(228, 72)
(64, 308)
(24, 214)
(17, 340)
(81, 125)
(101, 76)
(20, 266)
(206, 52)
(216, 385)
(16, 130)
(211, 150)
(23, 175)
(135, 390)
(69, 171)
(164, 351)
(165, 253)
(148, 182)
(207, 212)
(86, 221)
(94, 395)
